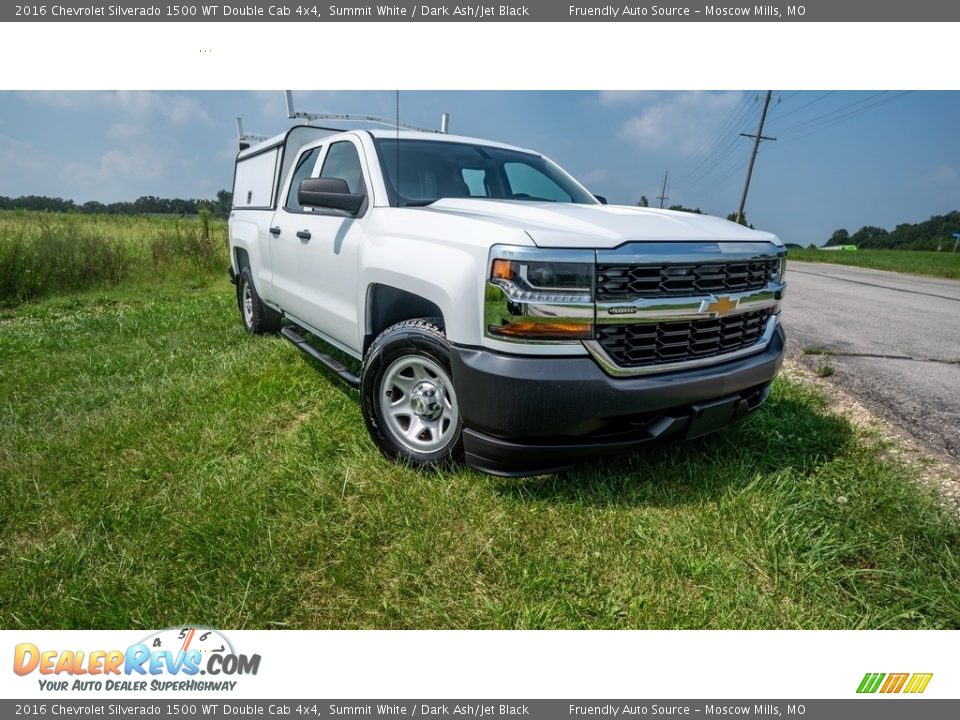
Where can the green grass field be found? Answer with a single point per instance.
(159, 466)
(937, 264)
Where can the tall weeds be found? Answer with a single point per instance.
(45, 253)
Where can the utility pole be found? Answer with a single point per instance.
(957, 236)
(663, 197)
(753, 156)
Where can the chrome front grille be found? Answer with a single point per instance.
(667, 306)
(637, 345)
(683, 279)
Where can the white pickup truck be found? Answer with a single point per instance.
(501, 314)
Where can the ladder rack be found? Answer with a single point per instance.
(293, 113)
(246, 139)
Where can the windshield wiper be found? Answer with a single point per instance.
(417, 203)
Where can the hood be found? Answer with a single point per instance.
(568, 225)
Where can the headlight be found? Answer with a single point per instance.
(536, 295)
(545, 281)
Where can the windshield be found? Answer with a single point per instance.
(430, 170)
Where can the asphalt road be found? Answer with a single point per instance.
(894, 341)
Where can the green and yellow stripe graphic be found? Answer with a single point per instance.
(894, 682)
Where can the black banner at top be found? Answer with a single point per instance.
(504, 11)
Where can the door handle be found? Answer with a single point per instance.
(275, 231)
(303, 234)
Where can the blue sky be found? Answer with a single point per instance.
(842, 159)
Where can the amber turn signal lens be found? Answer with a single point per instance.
(501, 270)
(544, 331)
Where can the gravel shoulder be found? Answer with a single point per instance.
(940, 473)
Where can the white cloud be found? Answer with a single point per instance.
(135, 143)
(597, 175)
(942, 175)
(121, 163)
(680, 122)
(183, 111)
(207, 187)
(18, 154)
(126, 132)
(271, 104)
(143, 106)
(625, 97)
(228, 152)
(114, 171)
(62, 99)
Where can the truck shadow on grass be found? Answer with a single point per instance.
(793, 511)
(791, 434)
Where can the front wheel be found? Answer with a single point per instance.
(409, 402)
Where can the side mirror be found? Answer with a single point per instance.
(331, 193)
(601, 198)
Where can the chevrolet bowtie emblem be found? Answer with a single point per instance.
(719, 306)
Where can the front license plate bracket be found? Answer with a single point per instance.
(708, 417)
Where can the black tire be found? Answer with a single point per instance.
(256, 317)
(407, 370)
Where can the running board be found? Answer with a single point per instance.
(334, 366)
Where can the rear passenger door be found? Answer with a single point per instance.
(284, 244)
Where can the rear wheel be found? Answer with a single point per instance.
(409, 402)
(257, 318)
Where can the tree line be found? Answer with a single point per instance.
(145, 205)
(930, 234)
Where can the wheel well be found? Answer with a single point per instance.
(243, 260)
(387, 306)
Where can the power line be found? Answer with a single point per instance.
(799, 131)
(827, 116)
(732, 120)
(809, 127)
(805, 105)
(788, 96)
(739, 164)
(712, 169)
(728, 150)
(721, 147)
(813, 129)
(709, 171)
